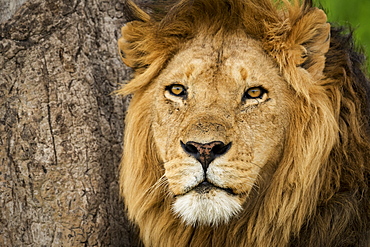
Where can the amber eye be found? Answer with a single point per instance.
(177, 90)
(254, 93)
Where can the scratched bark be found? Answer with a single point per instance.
(60, 125)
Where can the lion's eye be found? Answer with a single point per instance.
(177, 90)
(254, 93)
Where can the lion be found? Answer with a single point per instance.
(248, 126)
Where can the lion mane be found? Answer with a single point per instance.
(318, 193)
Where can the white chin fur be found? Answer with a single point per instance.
(211, 208)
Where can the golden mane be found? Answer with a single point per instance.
(319, 193)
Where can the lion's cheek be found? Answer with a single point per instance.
(238, 176)
(166, 145)
(183, 175)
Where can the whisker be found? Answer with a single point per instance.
(256, 165)
(161, 182)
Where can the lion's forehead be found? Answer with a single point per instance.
(228, 68)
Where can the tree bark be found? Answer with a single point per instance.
(61, 126)
(8, 7)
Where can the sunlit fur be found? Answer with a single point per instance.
(318, 193)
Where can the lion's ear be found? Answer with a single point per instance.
(134, 45)
(312, 34)
(305, 42)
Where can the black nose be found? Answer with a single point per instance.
(207, 152)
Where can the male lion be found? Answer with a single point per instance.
(248, 126)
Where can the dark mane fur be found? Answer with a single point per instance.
(347, 211)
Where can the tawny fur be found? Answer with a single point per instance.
(316, 192)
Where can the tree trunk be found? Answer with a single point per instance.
(61, 126)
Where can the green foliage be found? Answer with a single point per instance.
(355, 13)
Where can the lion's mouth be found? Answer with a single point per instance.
(207, 204)
(206, 187)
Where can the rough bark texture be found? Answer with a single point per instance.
(60, 125)
(8, 7)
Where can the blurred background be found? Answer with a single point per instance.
(355, 13)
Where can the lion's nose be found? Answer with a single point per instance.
(205, 153)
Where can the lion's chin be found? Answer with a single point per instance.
(212, 208)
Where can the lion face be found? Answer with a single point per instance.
(220, 115)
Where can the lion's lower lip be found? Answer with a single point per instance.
(205, 186)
